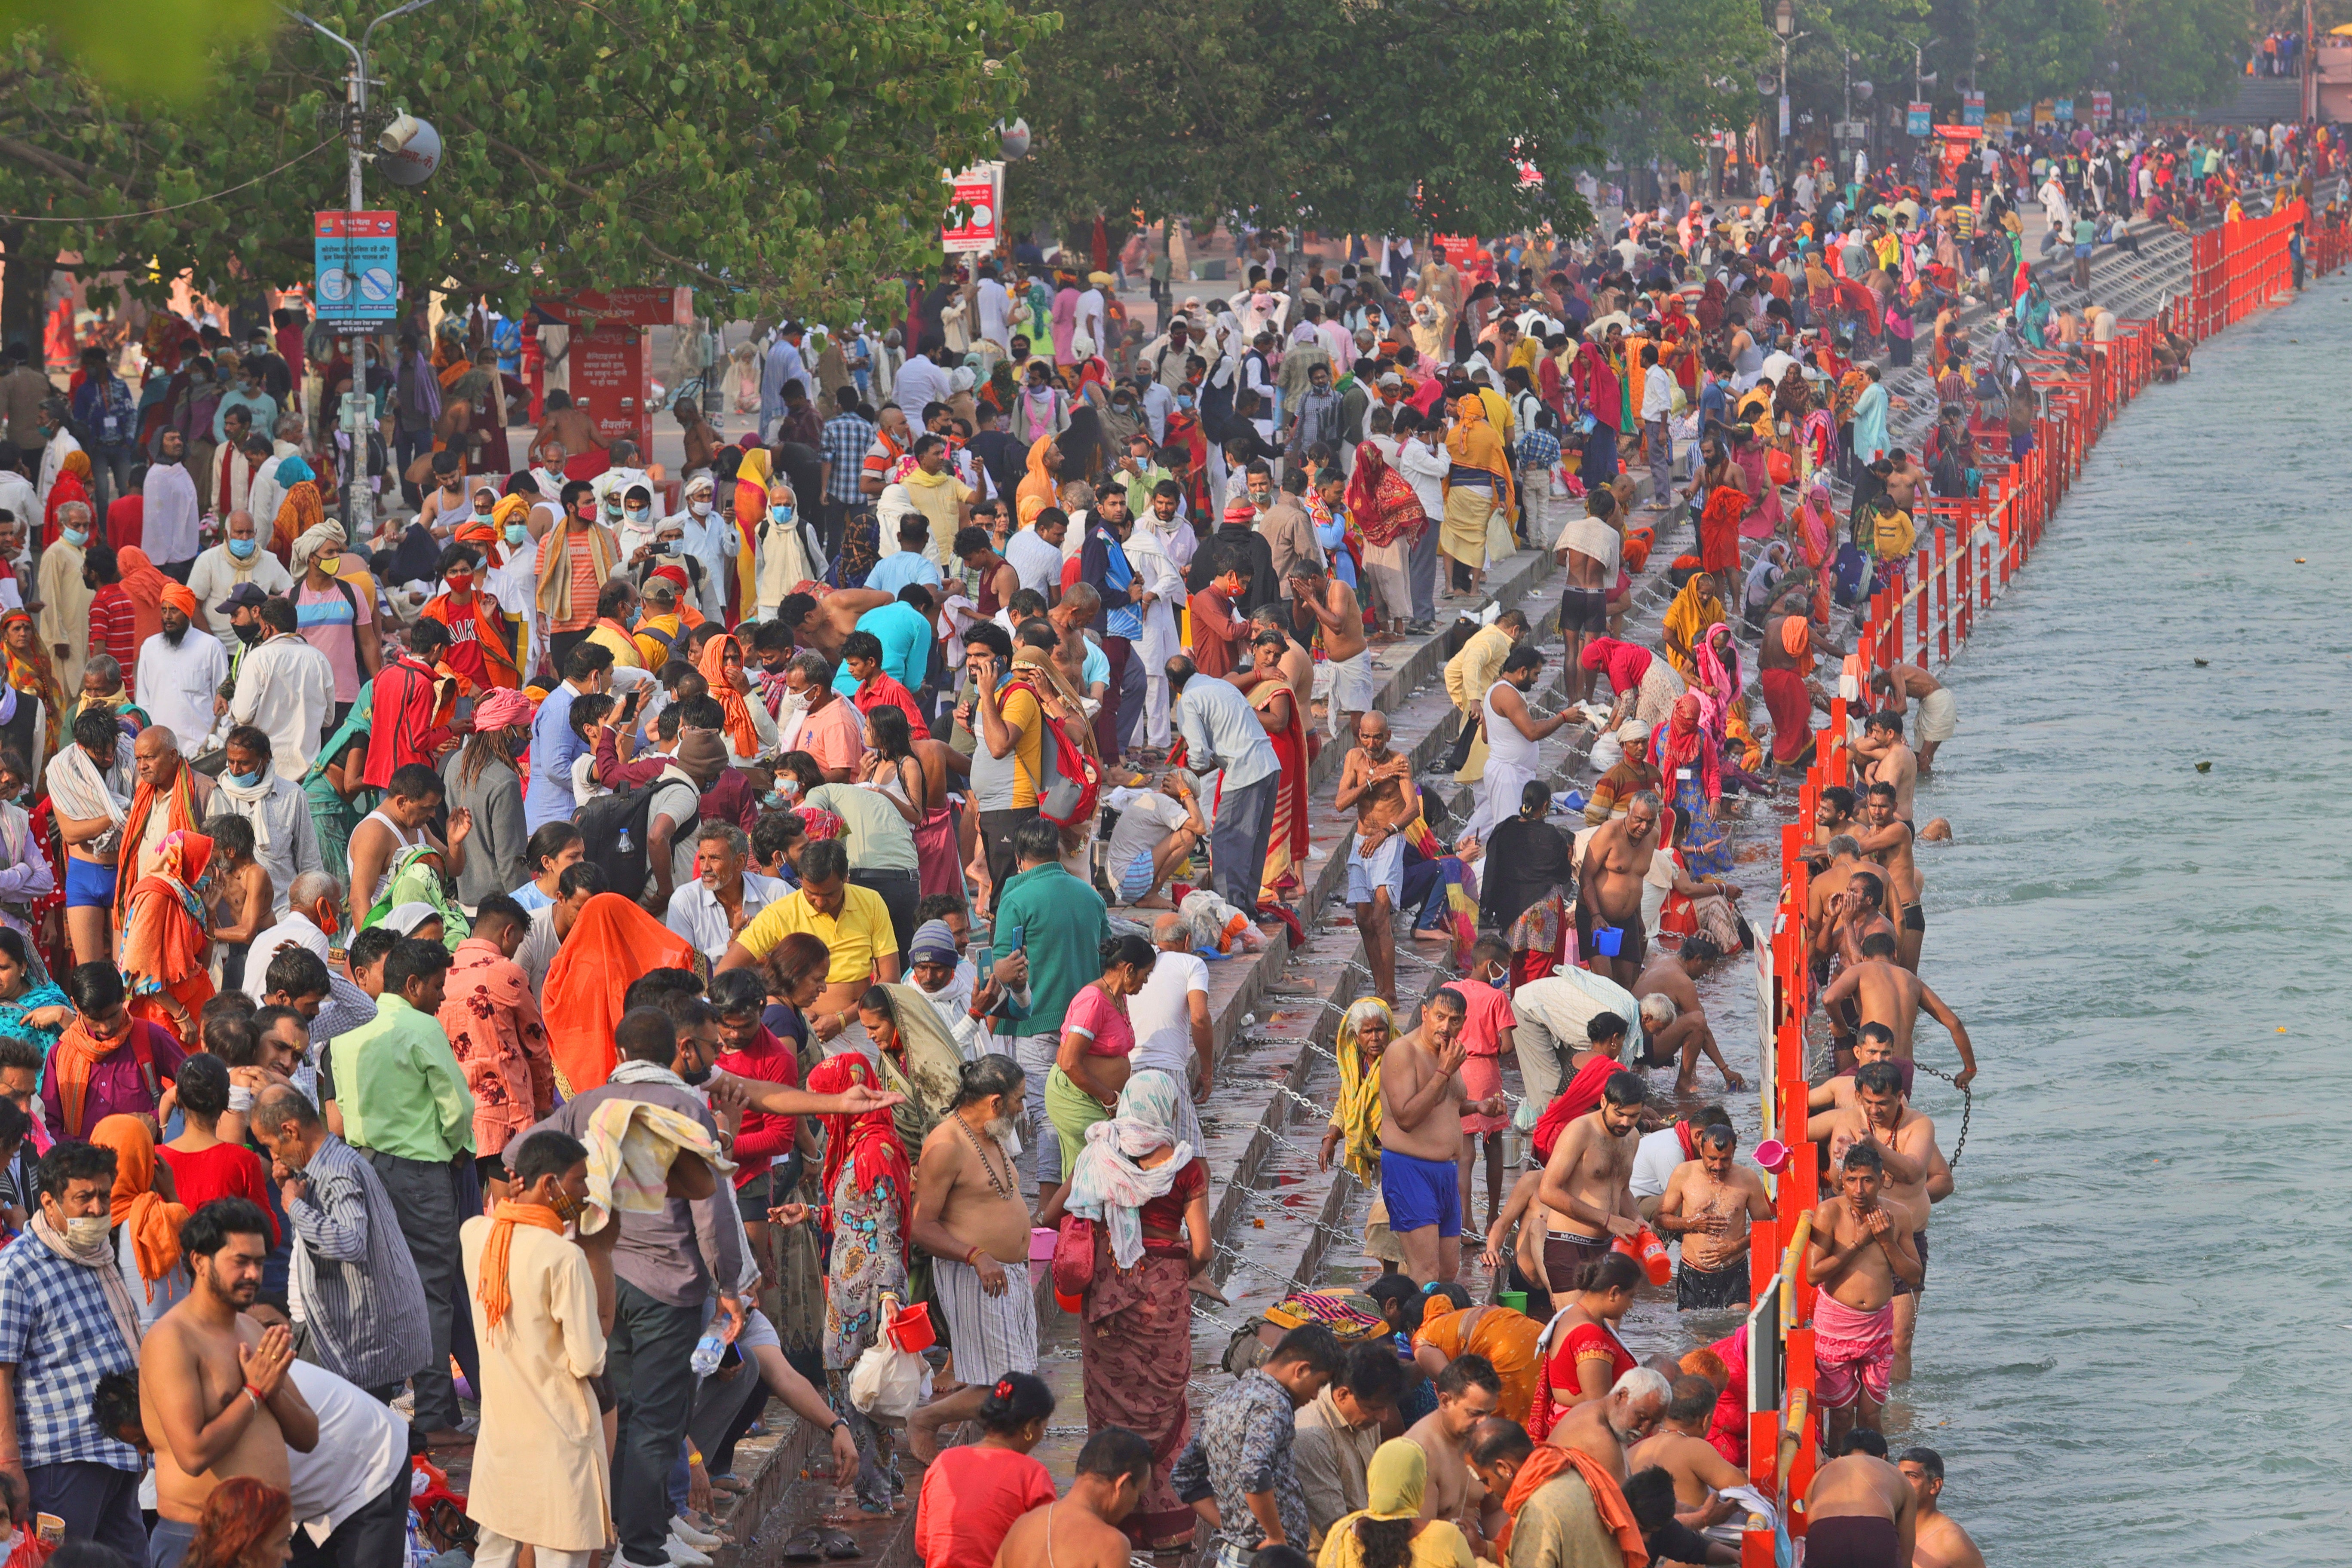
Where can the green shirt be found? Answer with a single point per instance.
(400, 1086)
(877, 837)
(1063, 925)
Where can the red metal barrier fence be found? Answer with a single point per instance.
(1969, 548)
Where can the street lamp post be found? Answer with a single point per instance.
(1784, 27)
(358, 410)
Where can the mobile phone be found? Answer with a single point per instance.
(1019, 933)
(630, 705)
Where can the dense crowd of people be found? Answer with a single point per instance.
(609, 946)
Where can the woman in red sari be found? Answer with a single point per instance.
(1279, 710)
(1389, 514)
(1583, 1356)
(166, 952)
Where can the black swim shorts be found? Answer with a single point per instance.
(1584, 610)
(1913, 919)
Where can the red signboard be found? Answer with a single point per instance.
(355, 225)
(974, 192)
(632, 307)
(611, 380)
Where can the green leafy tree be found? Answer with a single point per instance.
(1705, 57)
(2180, 54)
(769, 154)
(1399, 116)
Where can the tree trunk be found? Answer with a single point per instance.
(24, 289)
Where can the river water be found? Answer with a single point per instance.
(2137, 1311)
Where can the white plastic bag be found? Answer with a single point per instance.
(888, 1382)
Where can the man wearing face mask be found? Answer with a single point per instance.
(66, 1321)
(615, 483)
(237, 560)
(635, 529)
(65, 596)
(477, 631)
(574, 563)
(169, 494)
(285, 688)
(708, 539)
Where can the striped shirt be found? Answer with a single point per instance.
(59, 1336)
(361, 1297)
(112, 631)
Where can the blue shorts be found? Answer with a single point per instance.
(1421, 1193)
(89, 885)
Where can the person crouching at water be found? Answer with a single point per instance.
(1859, 1248)
(1860, 1512)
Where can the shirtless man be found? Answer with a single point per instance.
(820, 623)
(1670, 976)
(571, 428)
(1680, 1447)
(1885, 837)
(1939, 1542)
(1710, 1203)
(1860, 1512)
(1892, 762)
(213, 1389)
(971, 1217)
(1606, 1428)
(405, 819)
(1918, 1176)
(1886, 993)
(1422, 1101)
(1371, 760)
(999, 578)
(1609, 892)
(1586, 1181)
(1875, 1044)
(1859, 1248)
(1297, 667)
(1896, 688)
(1468, 1391)
(1322, 604)
(1826, 903)
(1082, 1530)
(1832, 816)
(1589, 549)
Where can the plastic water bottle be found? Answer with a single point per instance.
(623, 844)
(707, 1352)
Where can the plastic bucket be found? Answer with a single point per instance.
(910, 1329)
(1517, 1300)
(1040, 1243)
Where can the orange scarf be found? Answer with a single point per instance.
(74, 1054)
(740, 733)
(1608, 1498)
(494, 1292)
(183, 807)
(612, 943)
(154, 1223)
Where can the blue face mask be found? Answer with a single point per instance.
(481, 514)
(518, 535)
(243, 549)
(244, 780)
(76, 537)
(639, 513)
(633, 616)
(781, 513)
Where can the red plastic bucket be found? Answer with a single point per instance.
(911, 1328)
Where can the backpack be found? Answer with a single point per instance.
(1069, 780)
(614, 829)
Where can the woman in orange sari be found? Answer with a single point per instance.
(300, 512)
(722, 666)
(611, 944)
(145, 586)
(30, 673)
(166, 950)
(1451, 1327)
(1285, 718)
(142, 1210)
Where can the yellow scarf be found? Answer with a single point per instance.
(1359, 1116)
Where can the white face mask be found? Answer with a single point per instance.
(699, 508)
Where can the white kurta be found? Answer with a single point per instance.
(177, 684)
(539, 1473)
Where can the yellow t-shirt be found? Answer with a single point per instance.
(1020, 709)
(859, 938)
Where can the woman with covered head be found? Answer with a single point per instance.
(1354, 1135)
(1148, 1191)
(1479, 482)
(1642, 686)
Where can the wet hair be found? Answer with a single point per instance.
(550, 1151)
(207, 1230)
(1874, 890)
(1874, 1031)
(1862, 1439)
(992, 1073)
(1706, 949)
(1882, 787)
(1116, 1454)
(1865, 1156)
(1842, 798)
(1926, 1459)
(1399, 1289)
(1721, 1133)
(1624, 1088)
(1465, 1373)
(1017, 1399)
(1878, 945)
(1611, 1271)
(1694, 1399)
(1447, 1000)
(1879, 1077)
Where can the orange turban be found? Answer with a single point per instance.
(179, 596)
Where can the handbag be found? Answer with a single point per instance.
(1457, 756)
(1073, 1268)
